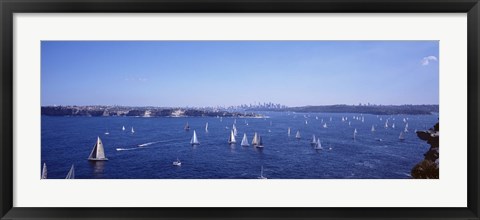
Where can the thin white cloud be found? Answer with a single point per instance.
(426, 60)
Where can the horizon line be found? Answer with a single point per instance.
(115, 105)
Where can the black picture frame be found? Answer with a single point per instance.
(9, 7)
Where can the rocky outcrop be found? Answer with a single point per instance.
(429, 167)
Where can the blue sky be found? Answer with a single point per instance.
(224, 73)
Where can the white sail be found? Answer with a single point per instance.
(245, 141)
(325, 125)
(194, 140)
(123, 128)
(386, 123)
(232, 140)
(255, 139)
(206, 127)
(260, 142)
(133, 131)
(71, 173)
(298, 135)
(343, 119)
(306, 122)
(393, 125)
(289, 132)
(373, 128)
(355, 133)
(98, 153)
(318, 145)
(261, 174)
(314, 140)
(234, 130)
(44, 171)
(401, 136)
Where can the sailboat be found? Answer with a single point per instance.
(255, 139)
(260, 142)
(98, 152)
(245, 141)
(325, 125)
(318, 145)
(44, 171)
(297, 136)
(194, 140)
(402, 136)
(386, 124)
(373, 128)
(177, 163)
(71, 173)
(187, 127)
(232, 140)
(206, 127)
(314, 141)
(289, 132)
(106, 132)
(234, 130)
(393, 125)
(123, 128)
(355, 133)
(306, 122)
(261, 174)
(133, 131)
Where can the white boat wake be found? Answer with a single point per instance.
(142, 146)
(149, 143)
(121, 149)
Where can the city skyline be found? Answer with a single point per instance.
(231, 73)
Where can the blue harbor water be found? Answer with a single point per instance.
(148, 153)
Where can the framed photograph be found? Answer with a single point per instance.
(231, 109)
